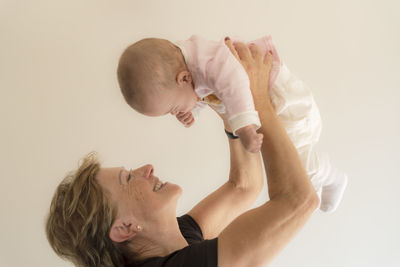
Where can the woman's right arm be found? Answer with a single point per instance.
(257, 236)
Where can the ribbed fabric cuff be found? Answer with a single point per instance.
(244, 119)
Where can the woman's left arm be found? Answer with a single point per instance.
(234, 197)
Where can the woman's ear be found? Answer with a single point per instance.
(121, 231)
(184, 77)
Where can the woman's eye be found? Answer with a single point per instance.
(129, 176)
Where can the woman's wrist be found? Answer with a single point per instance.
(263, 107)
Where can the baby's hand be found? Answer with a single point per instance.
(185, 118)
(250, 139)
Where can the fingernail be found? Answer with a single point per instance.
(270, 52)
(227, 38)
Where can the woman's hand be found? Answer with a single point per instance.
(257, 66)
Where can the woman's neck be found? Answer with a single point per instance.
(160, 242)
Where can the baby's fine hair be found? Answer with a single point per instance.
(146, 67)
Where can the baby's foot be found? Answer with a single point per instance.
(332, 193)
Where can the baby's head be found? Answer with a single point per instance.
(154, 79)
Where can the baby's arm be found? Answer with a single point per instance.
(250, 139)
(232, 86)
(186, 119)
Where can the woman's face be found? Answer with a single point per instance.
(136, 193)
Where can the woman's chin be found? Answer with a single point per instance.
(170, 196)
(174, 188)
(171, 190)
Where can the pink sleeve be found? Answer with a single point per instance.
(225, 73)
(196, 110)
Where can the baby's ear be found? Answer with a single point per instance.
(184, 77)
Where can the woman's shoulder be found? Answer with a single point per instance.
(190, 230)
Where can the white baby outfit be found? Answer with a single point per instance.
(216, 71)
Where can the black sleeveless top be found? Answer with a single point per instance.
(199, 252)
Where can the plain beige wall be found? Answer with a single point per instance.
(60, 100)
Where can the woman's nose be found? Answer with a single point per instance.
(148, 170)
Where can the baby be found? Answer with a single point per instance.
(158, 77)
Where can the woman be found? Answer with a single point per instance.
(116, 217)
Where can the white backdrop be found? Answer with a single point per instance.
(60, 100)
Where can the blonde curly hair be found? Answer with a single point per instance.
(80, 219)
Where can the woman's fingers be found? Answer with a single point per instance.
(268, 58)
(256, 52)
(229, 44)
(243, 51)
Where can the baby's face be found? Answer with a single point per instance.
(173, 101)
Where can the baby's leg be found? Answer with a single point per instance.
(327, 180)
(295, 106)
